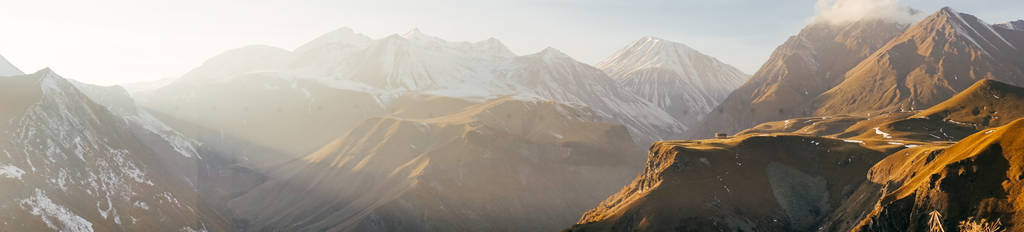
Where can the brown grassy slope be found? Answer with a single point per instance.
(936, 58)
(803, 67)
(985, 104)
(505, 165)
(748, 183)
(981, 176)
(424, 106)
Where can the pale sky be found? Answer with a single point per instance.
(121, 41)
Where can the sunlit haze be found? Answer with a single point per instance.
(122, 41)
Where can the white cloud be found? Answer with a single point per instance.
(845, 11)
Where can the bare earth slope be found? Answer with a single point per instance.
(936, 58)
(805, 66)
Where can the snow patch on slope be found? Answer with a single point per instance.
(55, 216)
(11, 171)
(882, 133)
(179, 142)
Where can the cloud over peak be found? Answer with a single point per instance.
(846, 11)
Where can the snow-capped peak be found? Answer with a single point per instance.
(649, 52)
(551, 54)
(415, 33)
(55, 86)
(8, 69)
(655, 42)
(417, 36)
(49, 81)
(342, 37)
(978, 32)
(673, 76)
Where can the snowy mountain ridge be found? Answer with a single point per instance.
(975, 30)
(74, 166)
(675, 77)
(418, 62)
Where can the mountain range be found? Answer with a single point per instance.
(867, 125)
(346, 112)
(883, 67)
(814, 178)
(415, 62)
(919, 134)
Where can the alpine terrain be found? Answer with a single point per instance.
(682, 81)
(70, 164)
(806, 65)
(874, 116)
(386, 68)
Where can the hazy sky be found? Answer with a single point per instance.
(119, 41)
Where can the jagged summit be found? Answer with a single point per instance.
(8, 69)
(341, 37)
(553, 75)
(81, 168)
(930, 62)
(415, 33)
(979, 32)
(649, 52)
(417, 36)
(676, 77)
(551, 54)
